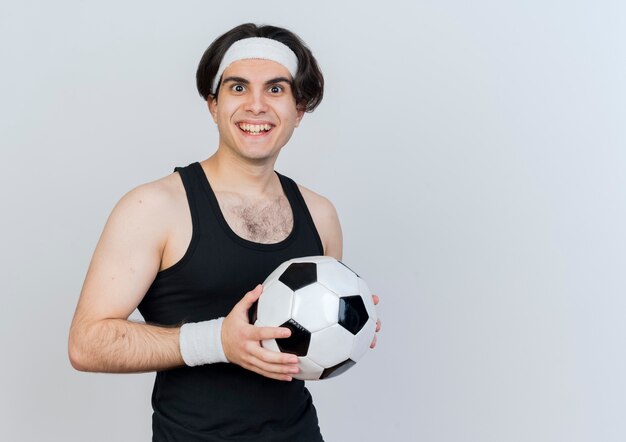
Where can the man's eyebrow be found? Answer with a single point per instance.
(278, 80)
(235, 80)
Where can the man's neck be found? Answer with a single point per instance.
(232, 174)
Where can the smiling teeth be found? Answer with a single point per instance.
(255, 128)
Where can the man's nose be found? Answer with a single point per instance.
(256, 103)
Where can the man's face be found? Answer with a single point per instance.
(255, 111)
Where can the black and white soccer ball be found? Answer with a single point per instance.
(328, 308)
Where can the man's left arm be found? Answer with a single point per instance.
(328, 227)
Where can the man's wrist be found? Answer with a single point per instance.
(201, 342)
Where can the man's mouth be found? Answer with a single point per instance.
(254, 129)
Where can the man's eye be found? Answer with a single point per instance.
(276, 89)
(238, 88)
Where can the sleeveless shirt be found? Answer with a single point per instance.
(223, 401)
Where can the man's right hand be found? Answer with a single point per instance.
(242, 342)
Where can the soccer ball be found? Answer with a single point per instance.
(328, 308)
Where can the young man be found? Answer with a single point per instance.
(191, 249)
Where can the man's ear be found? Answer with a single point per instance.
(299, 115)
(212, 102)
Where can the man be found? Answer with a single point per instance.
(185, 248)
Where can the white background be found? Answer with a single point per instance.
(475, 152)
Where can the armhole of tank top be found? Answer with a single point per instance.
(191, 247)
(305, 209)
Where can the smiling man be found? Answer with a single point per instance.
(190, 249)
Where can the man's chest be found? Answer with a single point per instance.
(267, 220)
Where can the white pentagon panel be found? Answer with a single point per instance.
(315, 307)
(275, 274)
(366, 294)
(275, 303)
(337, 278)
(309, 370)
(363, 339)
(330, 346)
(363, 288)
(271, 344)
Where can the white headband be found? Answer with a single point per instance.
(261, 48)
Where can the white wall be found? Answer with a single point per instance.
(474, 150)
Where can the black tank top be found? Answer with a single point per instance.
(224, 402)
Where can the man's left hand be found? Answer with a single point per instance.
(376, 300)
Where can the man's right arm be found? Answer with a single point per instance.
(124, 265)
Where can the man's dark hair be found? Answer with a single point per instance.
(308, 86)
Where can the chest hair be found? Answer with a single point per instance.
(266, 221)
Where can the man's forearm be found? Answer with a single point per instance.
(121, 346)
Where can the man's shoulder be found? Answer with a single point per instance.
(326, 221)
(316, 202)
(152, 201)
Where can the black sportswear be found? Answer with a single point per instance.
(224, 402)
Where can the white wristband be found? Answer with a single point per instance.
(201, 342)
